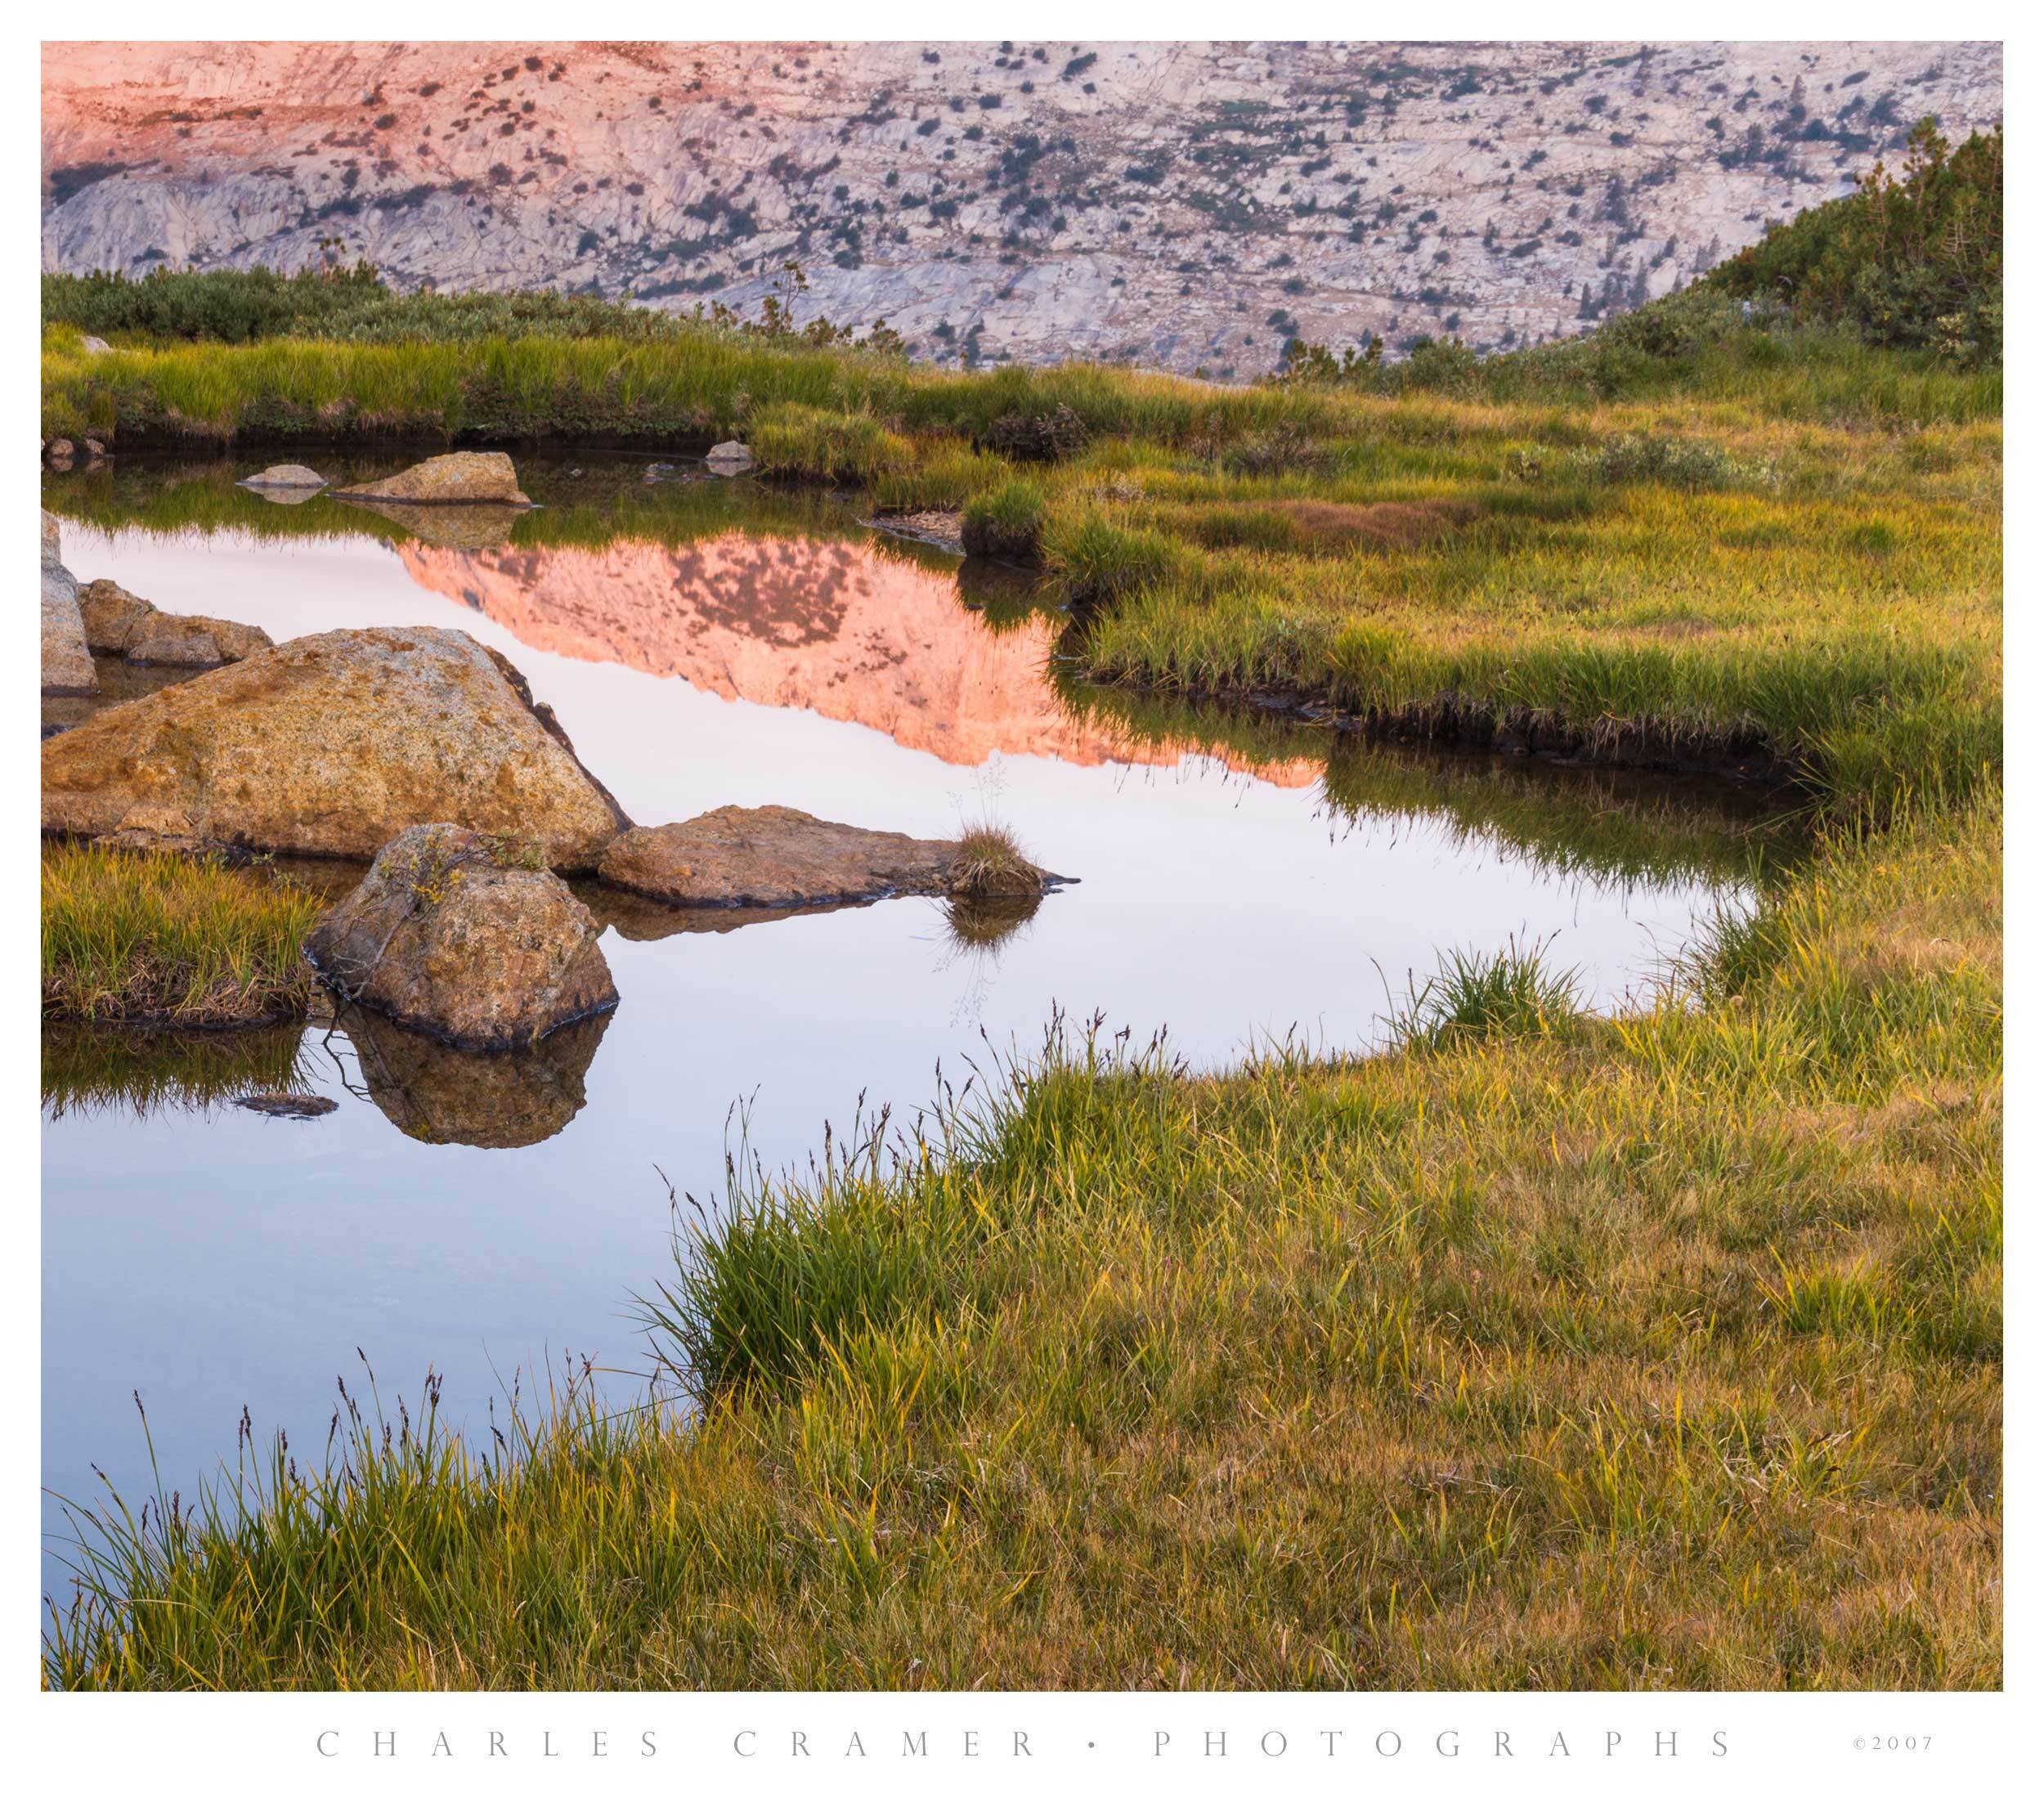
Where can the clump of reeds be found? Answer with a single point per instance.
(819, 444)
(990, 864)
(1004, 524)
(1475, 997)
(171, 939)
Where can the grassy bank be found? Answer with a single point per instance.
(1658, 1351)
(1776, 550)
(170, 940)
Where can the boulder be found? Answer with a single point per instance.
(466, 937)
(773, 855)
(94, 346)
(331, 745)
(286, 475)
(58, 452)
(67, 657)
(120, 623)
(729, 459)
(467, 478)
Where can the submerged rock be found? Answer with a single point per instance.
(120, 623)
(466, 937)
(467, 478)
(332, 745)
(773, 855)
(436, 1094)
(67, 658)
(290, 476)
(288, 1104)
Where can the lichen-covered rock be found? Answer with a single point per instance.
(466, 937)
(332, 745)
(121, 623)
(773, 855)
(466, 477)
(67, 657)
(288, 475)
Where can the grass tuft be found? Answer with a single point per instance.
(169, 939)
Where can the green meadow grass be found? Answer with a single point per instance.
(169, 939)
(1660, 1351)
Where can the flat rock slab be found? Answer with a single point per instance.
(288, 476)
(332, 745)
(450, 933)
(120, 623)
(773, 855)
(467, 478)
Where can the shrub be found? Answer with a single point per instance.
(1048, 435)
(1914, 262)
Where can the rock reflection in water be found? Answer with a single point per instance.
(506, 1100)
(468, 528)
(638, 919)
(851, 630)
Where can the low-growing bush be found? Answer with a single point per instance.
(1689, 464)
(1048, 435)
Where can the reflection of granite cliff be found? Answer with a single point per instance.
(837, 628)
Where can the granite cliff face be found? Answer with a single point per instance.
(1181, 205)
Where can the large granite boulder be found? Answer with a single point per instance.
(120, 623)
(331, 745)
(773, 855)
(67, 658)
(466, 937)
(467, 478)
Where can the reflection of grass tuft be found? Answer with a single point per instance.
(88, 1068)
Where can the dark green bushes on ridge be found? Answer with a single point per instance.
(1911, 263)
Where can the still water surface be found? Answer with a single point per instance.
(706, 644)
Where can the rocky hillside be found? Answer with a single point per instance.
(1183, 205)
